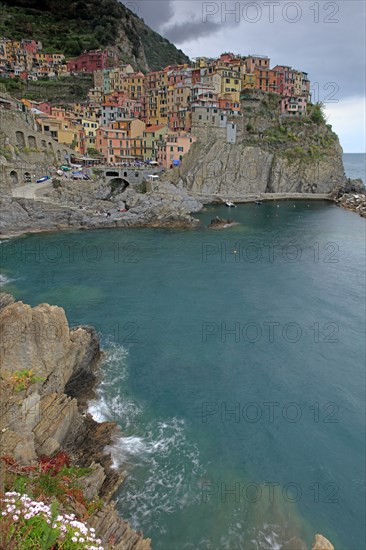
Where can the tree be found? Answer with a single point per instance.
(317, 114)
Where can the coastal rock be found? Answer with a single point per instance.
(167, 206)
(39, 338)
(353, 201)
(220, 223)
(269, 154)
(46, 415)
(321, 543)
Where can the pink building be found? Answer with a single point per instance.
(293, 106)
(173, 148)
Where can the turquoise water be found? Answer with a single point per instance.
(234, 366)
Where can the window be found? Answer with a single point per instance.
(180, 149)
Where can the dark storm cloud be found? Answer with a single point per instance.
(183, 32)
(326, 39)
(155, 13)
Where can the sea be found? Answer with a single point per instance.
(234, 365)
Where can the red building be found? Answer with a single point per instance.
(88, 62)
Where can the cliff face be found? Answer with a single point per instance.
(48, 414)
(271, 155)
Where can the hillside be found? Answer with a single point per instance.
(71, 27)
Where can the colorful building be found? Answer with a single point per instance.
(91, 61)
(173, 147)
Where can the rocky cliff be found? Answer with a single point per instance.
(272, 154)
(47, 371)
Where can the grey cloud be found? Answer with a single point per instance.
(155, 13)
(188, 30)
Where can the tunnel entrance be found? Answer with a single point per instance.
(119, 184)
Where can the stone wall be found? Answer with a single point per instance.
(24, 152)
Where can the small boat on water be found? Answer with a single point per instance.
(230, 204)
(258, 202)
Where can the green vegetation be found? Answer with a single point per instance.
(92, 152)
(4, 152)
(280, 134)
(65, 89)
(51, 479)
(22, 379)
(316, 114)
(72, 27)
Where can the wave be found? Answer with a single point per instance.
(164, 480)
(163, 464)
(4, 280)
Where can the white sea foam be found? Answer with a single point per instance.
(158, 453)
(4, 280)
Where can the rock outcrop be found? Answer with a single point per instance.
(48, 414)
(270, 154)
(168, 206)
(354, 202)
(321, 543)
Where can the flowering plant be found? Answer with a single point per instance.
(31, 524)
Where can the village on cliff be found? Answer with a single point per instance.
(132, 117)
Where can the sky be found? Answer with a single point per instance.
(323, 38)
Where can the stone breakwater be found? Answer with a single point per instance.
(354, 202)
(50, 415)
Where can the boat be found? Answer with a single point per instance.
(230, 204)
(258, 202)
(44, 178)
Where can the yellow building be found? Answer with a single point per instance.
(230, 80)
(63, 132)
(298, 83)
(248, 81)
(90, 126)
(133, 127)
(134, 85)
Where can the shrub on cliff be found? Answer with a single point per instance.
(317, 114)
(32, 524)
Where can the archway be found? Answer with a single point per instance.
(20, 139)
(118, 184)
(32, 142)
(14, 177)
